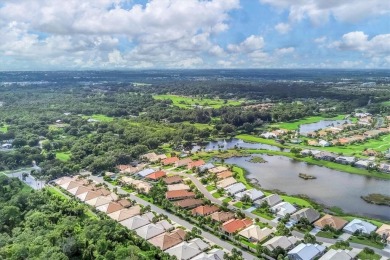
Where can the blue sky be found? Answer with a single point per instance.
(139, 34)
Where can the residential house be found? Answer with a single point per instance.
(110, 207)
(268, 135)
(64, 180)
(253, 194)
(325, 156)
(179, 186)
(122, 167)
(133, 169)
(218, 169)
(384, 232)
(308, 213)
(187, 250)
(206, 167)
(345, 159)
(170, 161)
(324, 143)
(145, 172)
(339, 254)
(370, 152)
(313, 143)
(125, 203)
(222, 216)
(213, 254)
(78, 190)
(282, 242)
(141, 186)
(189, 203)
(224, 175)
(195, 164)
(255, 234)
(135, 222)
(179, 194)
(168, 240)
(124, 214)
(88, 195)
(235, 188)
(332, 221)
(226, 182)
(97, 202)
(306, 252)
(364, 164)
(155, 176)
(153, 157)
(271, 200)
(358, 225)
(152, 230)
(383, 167)
(173, 179)
(204, 210)
(235, 225)
(183, 162)
(283, 208)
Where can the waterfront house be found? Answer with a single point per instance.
(206, 167)
(283, 208)
(179, 194)
(218, 169)
(183, 162)
(358, 225)
(253, 194)
(226, 182)
(235, 225)
(306, 252)
(283, 242)
(235, 188)
(268, 135)
(204, 210)
(308, 213)
(224, 175)
(345, 160)
(325, 156)
(384, 232)
(332, 221)
(173, 179)
(222, 216)
(324, 143)
(271, 200)
(364, 164)
(170, 161)
(168, 240)
(383, 167)
(339, 254)
(255, 234)
(189, 203)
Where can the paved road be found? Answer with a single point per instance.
(353, 245)
(209, 196)
(176, 219)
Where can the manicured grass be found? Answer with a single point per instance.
(366, 242)
(241, 177)
(256, 139)
(309, 120)
(217, 195)
(261, 213)
(210, 187)
(188, 102)
(199, 125)
(364, 256)
(63, 156)
(246, 242)
(227, 200)
(297, 201)
(99, 117)
(238, 204)
(55, 191)
(144, 197)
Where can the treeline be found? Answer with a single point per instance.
(40, 225)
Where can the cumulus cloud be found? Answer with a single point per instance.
(283, 28)
(251, 44)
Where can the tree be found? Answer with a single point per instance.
(309, 239)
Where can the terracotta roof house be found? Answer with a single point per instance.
(152, 230)
(168, 240)
(339, 254)
(213, 254)
(122, 167)
(123, 214)
(73, 184)
(173, 179)
(103, 191)
(254, 194)
(183, 162)
(195, 164)
(79, 190)
(234, 225)
(329, 220)
(255, 234)
(156, 175)
(271, 200)
(283, 208)
(282, 242)
(112, 196)
(110, 207)
(170, 160)
(139, 185)
(125, 203)
(384, 232)
(88, 195)
(308, 213)
(235, 188)
(189, 203)
(218, 169)
(64, 180)
(226, 182)
(204, 210)
(222, 216)
(135, 222)
(359, 225)
(97, 202)
(306, 252)
(179, 186)
(179, 194)
(224, 175)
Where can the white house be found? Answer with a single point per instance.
(359, 225)
(254, 194)
(235, 188)
(283, 208)
(324, 143)
(306, 252)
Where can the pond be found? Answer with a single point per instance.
(332, 188)
(307, 128)
(233, 143)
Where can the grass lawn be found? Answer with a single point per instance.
(366, 242)
(256, 139)
(188, 102)
(228, 199)
(63, 156)
(144, 197)
(210, 187)
(238, 204)
(364, 256)
(327, 234)
(4, 128)
(246, 242)
(298, 201)
(261, 213)
(99, 117)
(217, 195)
(309, 120)
(241, 177)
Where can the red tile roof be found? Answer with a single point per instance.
(170, 160)
(179, 194)
(224, 174)
(195, 164)
(156, 175)
(234, 225)
(204, 210)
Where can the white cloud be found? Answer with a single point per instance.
(283, 28)
(250, 44)
(319, 11)
(320, 39)
(284, 51)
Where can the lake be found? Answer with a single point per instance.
(332, 188)
(307, 128)
(233, 143)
